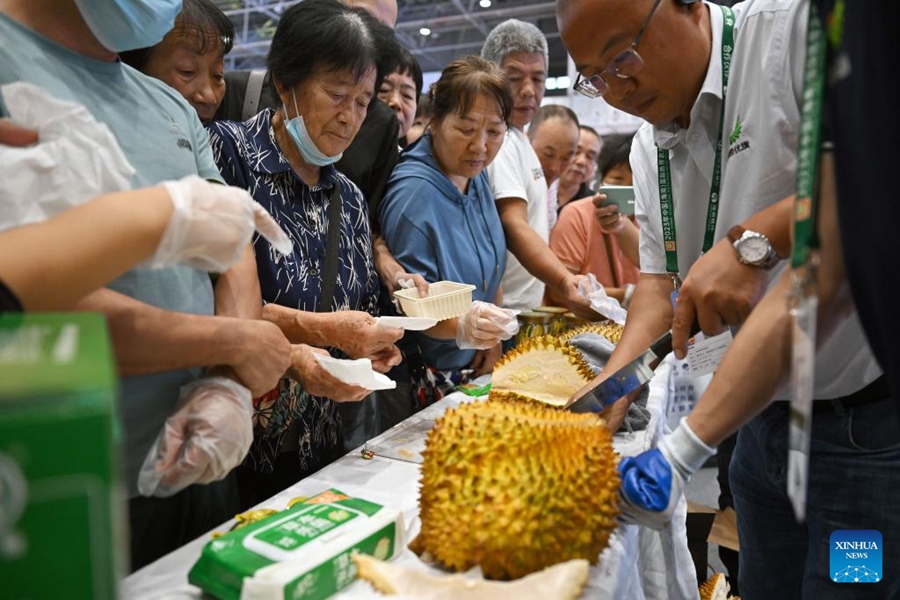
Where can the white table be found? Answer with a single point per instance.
(638, 564)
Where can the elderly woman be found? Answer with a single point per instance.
(325, 59)
(191, 58)
(439, 219)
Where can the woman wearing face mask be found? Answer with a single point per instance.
(439, 219)
(325, 60)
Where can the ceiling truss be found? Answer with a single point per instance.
(458, 28)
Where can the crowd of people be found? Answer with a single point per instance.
(274, 212)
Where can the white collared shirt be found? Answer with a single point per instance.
(759, 160)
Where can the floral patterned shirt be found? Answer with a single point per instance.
(249, 157)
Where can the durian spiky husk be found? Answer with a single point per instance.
(540, 368)
(516, 487)
(715, 588)
(563, 581)
(608, 329)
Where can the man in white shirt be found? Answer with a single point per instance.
(517, 179)
(664, 61)
(554, 138)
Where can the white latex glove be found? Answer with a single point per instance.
(211, 225)
(208, 435)
(653, 481)
(484, 325)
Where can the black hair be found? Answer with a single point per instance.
(200, 19)
(551, 111)
(325, 34)
(590, 129)
(424, 108)
(462, 81)
(616, 150)
(408, 65)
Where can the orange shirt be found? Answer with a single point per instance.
(578, 242)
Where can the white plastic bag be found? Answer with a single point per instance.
(76, 158)
(606, 305)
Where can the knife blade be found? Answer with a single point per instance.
(628, 378)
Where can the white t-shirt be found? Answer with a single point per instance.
(552, 203)
(516, 173)
(762, 115)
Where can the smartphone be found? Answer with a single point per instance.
(621, 195)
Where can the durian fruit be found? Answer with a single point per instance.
(608, 329)
(540, 368)
(515, 487)
(563, 581)
(715, 588)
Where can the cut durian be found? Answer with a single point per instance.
(715, 588)
(563, 581)
(516, 487)
(608, 329)
(542, 369)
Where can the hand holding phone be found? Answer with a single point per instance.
(607, 209)
(621, 195)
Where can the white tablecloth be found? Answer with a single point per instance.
(639, 563)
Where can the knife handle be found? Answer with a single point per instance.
(663, 344)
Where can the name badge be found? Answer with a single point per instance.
(705, 353)
(803, 361)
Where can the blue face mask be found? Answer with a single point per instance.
(122, 25)
(307, 147)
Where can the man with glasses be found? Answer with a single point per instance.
(714, 168)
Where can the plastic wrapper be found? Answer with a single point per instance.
(77, 158)
(602, 303)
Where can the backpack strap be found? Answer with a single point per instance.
(254, 92)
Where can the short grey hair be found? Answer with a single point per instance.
(514, 36)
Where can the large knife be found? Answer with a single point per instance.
(628, 378)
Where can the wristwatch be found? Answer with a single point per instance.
(753, 248)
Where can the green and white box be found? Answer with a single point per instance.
(61, 504)
(303, 553)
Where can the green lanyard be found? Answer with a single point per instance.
(667, 207)
(806, 239)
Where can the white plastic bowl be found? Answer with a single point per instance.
(446, 300)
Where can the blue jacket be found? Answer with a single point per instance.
(435, 230)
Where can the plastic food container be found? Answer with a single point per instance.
(446, 300)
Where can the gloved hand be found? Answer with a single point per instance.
(484, 325)
(208, 435)
(211, 224)
(653, 481)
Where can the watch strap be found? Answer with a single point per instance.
(735, 233)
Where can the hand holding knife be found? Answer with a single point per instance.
(628, 378)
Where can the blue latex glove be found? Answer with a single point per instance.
(653, 482)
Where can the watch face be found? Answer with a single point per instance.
(754, 249)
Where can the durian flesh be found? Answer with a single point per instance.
(516, 487)
(542, 369)
(563, 581)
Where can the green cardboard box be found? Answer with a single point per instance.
(303, 553)
(61, 503)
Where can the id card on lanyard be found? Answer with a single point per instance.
(803, 301)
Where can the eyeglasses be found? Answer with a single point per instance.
(626, 64)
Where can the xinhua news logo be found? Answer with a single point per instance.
(856, 556)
